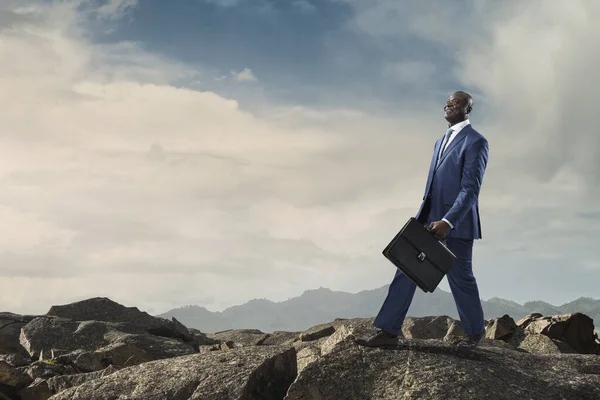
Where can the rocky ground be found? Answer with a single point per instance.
(99, 350)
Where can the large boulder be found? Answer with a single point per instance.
(281, 337)
(43, 389)
(10, 329)
(245, 373)
(13, 377)
(542, 344)
(104, 309)
(47, 369)
(500, 328)
(201, 338)
(310, 351)
(240, 337)
(59, 383)
(307, 355)
(526, 320)
(576, 329)
(432, 327)
(316, 332)
(38, 390)
(435, 370)
(92, 345)
(501, 333)
(16, 360)
(455, 332)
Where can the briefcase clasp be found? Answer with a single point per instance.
(421, 256)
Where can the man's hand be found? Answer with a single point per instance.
(439, 228)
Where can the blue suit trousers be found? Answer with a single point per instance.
(462, 284)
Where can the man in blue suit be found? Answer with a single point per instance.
(450, 209)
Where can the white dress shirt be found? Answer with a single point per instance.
(456, 128)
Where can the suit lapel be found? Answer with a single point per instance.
(459, 138)
(436, 150)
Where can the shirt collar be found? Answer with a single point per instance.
(458, 127)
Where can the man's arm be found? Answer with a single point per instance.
(473, 170)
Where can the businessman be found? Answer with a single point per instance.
(450, 210)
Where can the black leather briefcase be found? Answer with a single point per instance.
(420, 255)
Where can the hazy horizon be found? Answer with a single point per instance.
(214, 151)
(158, 312)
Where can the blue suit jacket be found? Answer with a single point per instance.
(453, 187)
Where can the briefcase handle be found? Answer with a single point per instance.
(442, 241)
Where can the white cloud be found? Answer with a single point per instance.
(410, 72)
(109, 171)
(304, 6)
(223, 3)
(115, 9)
(244, 75)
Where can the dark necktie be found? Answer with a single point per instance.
(444, 144)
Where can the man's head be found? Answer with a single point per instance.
(458, 107)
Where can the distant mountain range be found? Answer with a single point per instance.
(322, 305)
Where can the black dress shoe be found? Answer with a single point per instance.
(470, 341)
(380, 339)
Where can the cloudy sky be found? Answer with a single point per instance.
(208, 152)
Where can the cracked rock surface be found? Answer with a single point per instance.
(246, 373)
(433, 370)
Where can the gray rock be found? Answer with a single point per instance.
(8, 318)
(106, 310)
(208, 349)
(434, 370)
(201, 339)
(357, 325)
(306, 356)
(248, 373)
(156, 346)
(88, 360)
(8, 393)
(92, 345)
(427, 327)
(46, 334)
(59, 383)
(16, 360)
(47, 369)
(455, 332)
(10, 329)
(241, 337)
(500, 328)
(279, 337)
(499, 343)
(317, 332)
(228, 345)
(309, 352)
(576, 329)
(11, 376)
(542, 344)
(299, 345)
(516, 337)
(332, 341)
(117, 354)
(49, 354)
(526, 320)
(38, 390)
